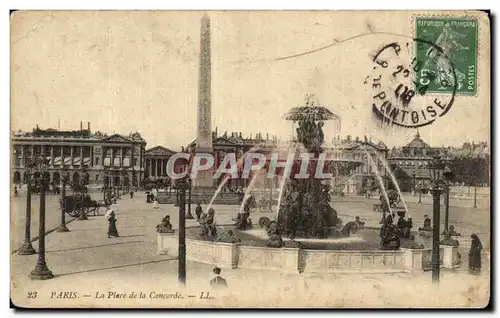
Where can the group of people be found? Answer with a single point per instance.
(475, 249)
(153, 197)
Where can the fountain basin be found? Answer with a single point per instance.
(298, 260)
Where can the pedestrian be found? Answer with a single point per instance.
(131, 194)
(112, 231)
(218, 282)
(198, 211)
(475, 255)
(108, 212)
(15, 191)
(155, 203)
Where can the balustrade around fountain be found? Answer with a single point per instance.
(296, 260)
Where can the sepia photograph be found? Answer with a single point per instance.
(250, 159)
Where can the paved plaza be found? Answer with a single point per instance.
(85, 261)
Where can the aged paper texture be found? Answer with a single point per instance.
(327, 159)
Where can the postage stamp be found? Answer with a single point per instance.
(454, 56)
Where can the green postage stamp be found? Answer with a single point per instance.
(453, 54)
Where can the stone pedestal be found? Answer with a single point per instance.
(450, 257)
(168, 244)
(413, 259)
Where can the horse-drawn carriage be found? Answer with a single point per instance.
(73, 205)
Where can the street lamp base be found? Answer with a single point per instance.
(62, 228)
(83, 217)
(26, 249)
(41, 272)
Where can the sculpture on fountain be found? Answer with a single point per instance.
(274, 233)
(243, 220)
(389, 239)
(208, 230)
(305, 206)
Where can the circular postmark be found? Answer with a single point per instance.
(402, 73)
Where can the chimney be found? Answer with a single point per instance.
(267, 136)
(349, 138)
(88, 126)
(216, 133)
(81, 125)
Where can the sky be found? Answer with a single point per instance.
(138, 71)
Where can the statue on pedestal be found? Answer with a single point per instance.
(165, 226)
(448, 241)
(452, 231)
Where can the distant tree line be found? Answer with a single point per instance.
(471, 171)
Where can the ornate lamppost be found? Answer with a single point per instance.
(64, 179)
(475, 196)
(82, 188)
(448, 175)
(27, 248)
(438, 175)
(189, 215)
(41, 271)
(190, 187)
(414, 184)
(181, 186)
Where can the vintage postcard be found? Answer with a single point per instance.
(250, 159)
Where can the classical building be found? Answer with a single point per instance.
(238, 144)
(410, 163)
(363, 173)
(93, 156)
(156, 160)
(370, 161)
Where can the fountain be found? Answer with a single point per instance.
(304, 233)
(304, 208)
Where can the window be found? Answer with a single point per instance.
(96, 160)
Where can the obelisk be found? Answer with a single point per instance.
(204, 179)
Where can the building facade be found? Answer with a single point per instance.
(97, 157)
(365, 159)
(410, 163)
(156, 158)
(369, 164)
